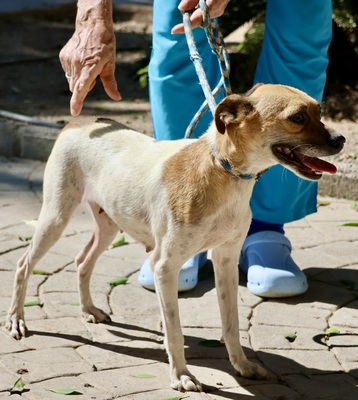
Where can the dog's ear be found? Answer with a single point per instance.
(232, 109)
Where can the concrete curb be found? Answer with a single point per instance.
(26, 141)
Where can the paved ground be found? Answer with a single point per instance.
(126, 359)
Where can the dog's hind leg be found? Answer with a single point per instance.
(52, 221)
(104, 232)
(225, 261)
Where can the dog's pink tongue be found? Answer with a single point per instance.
(316, 164)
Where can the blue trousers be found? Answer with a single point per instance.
(294, 53)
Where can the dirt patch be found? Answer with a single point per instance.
(32, 80)
(33, 83)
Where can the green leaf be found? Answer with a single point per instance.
(306, 373)
(41, 272)
(19, 386)
(33, 303)
(65, 391)
(291, 337)
(75, 303)
(323, 203)
(25, 238)
(350, 224)
(118, 281)
(211, 343)
(120, 242)
(332, 331)
(144, 376)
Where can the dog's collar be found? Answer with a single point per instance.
(227, 166)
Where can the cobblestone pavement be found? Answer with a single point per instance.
(126, 359)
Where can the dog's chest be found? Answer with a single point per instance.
(228, 225)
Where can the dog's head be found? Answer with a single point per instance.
(276, 124)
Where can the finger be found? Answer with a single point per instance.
(78, 98)
(196, 19)
(109, 82)
(80, 91)
(82, 81)
(75, 106)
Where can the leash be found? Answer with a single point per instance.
(217, 45)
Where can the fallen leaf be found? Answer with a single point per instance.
(332, 331)
(291, 337)
(19, 386)
(33, 303)
(25, 239)
(323, 203)
(118, 281)
(65, 391)
(120, 242)
(144, 376)
(306, 374)
(211, 343)
(41, 272)
(350, 224)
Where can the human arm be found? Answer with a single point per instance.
(216, 9)
(91, 52)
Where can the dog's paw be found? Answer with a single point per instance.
(251, 370)
(95, 315)
(16, 327)
(186, 383)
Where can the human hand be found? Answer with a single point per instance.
(216, 9)
(91, 52)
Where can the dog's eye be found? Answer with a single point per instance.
(298, 118)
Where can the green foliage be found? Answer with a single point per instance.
(238, 12)
(244, 57)
(143, 76)
(345, 14)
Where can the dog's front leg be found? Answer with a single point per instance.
(166, 283)
(225, 261)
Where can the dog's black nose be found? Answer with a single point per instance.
(337, 141)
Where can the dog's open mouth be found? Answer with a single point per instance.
(310, 167)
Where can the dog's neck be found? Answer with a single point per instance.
(227, 166)
(233, 167)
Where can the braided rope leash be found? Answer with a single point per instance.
(217, 45)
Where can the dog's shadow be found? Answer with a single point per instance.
(326, 286)
(217, 359)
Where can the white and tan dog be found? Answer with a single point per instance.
(192, 192)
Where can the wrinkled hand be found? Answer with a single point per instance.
(91, 52)
(216, 9)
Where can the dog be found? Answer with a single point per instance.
(194, 192)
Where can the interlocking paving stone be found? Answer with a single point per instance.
(103, 361)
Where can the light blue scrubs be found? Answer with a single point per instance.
(294, 52)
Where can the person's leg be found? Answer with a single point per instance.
(175, 97)
(174, 89)
(294, 53)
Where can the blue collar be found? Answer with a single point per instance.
(227, 166)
